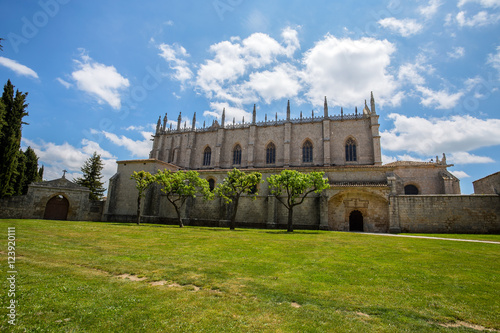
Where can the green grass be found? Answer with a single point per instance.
(248, 279)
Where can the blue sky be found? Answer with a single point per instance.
(99, 73)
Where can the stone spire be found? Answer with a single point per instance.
(165, 122)
(254, 115)
(223, 120)
(179, 122)
(372, 104)
(158, 124)
(287, 111)
(326, 108)
(194, 122)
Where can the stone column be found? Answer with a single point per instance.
(377, 153)
(271, 212)
(323, 212)
(251, 145)
(218, 148)
(326, 142)
(286, 144)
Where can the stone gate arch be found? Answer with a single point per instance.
(57, 208)
(358, 209)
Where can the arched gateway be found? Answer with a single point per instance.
(57, 208)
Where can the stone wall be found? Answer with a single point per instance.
(447, 213)
(488, 185)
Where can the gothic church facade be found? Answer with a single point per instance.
(364, 194)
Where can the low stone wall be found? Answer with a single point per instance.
(448, 213)
(15, 208)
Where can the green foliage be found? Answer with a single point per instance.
(19, 176)
(31, 169)
(234, 185)
(12, 111)
(246, 281)
(142, 181)
(180, 185)
(40, 174)
(92, 176)
(295, 187)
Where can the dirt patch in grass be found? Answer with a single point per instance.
(131, 277)
(468, 325)
(295, 305)
(173, 285)
(362, 314)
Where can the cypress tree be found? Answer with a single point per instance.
(40, 174)
(92, 176)
(31, 169)
(19, 176)
(10, 142)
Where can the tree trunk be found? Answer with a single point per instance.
(139, 210)
(177, 210)
(233, 214)
(290, 220)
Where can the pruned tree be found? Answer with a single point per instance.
(180, 185)
(234, 185)
(92, 176)
(12, 111)
(142, 181)
(291, 187)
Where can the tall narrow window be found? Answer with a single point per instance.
(307, 152)
(350, 150)
(207, 156)
(271, 153)
(237, 155)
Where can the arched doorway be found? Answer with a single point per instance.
(56, 208)
(355, 221)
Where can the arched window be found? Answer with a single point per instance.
(350, 150)
(270, 153)
(207, 156)
(411, 190)
(237, 155)
(307, 152)
(211, 184)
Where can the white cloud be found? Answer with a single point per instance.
(138, 148)
(405, 27)
(460, 174)
(463, 157)
(483, 3)
(494, 60)
(457, 52)
(281, 82)
(231, 112)
(18, 68)
(411, 72)
(438, 99)
(431, 9)
(58, 157)
(66, 84)
(480, 19)
(100, 81)
(223, 77)
(174, 55)
(346, 70)
(429, 137)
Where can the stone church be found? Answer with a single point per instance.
(364, 194)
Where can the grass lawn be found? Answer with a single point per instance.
(215, 280)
